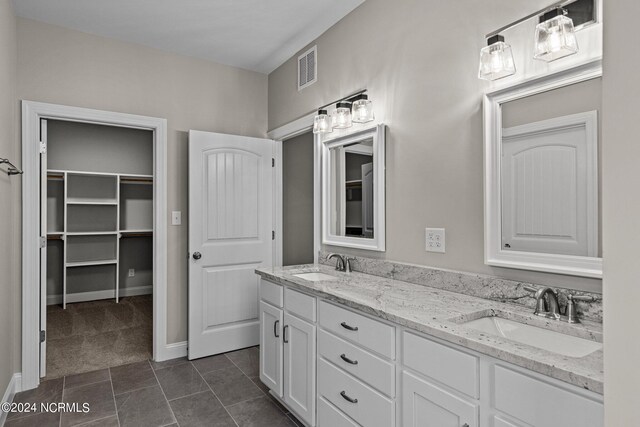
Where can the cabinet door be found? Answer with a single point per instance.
(271, 347)
(300, 367)
(425, 405)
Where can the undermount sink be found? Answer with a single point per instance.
(545, 339)
(315, 276)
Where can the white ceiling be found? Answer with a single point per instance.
(256, 35)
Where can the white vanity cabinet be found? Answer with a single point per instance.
(288, 348)
(334, 366)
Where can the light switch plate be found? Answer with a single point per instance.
(132, 272)
(176, 218)
(435, 241)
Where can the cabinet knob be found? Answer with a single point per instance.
(197, 255)
(465, 425)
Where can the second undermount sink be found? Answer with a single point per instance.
(315, 276)
(545, 339)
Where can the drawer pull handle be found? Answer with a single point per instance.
(350, 399)
(465, 425)
(350, 328)
(284, 334)
(275, 328)
(346, 359)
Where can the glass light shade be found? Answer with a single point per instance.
(496, 61)
(322, 122)
(342, 116)
(362, 110)
(555, 38)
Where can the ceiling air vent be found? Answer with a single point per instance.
(307, 68)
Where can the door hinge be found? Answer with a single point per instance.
(43, 336)
(273, 162)
(43, 242)
(273, 235)
(43, 147)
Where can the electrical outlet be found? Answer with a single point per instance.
(176, 218)
(132, 272)
(434, 238)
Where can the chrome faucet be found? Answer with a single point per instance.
(547, 307)
(343, 263)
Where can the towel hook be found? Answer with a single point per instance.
(12, 170)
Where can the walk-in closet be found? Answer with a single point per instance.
(99, 262)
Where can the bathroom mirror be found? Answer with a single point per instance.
(353, 189)
(542, 185)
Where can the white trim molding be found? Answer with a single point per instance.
(377, 243)
(494, 254)
(175, 350)
(32, 113)
(14, 386)
(97, 295)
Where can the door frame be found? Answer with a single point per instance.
(32, 112)
(290, 130)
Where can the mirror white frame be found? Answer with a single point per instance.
(377, 243)
(493, 252)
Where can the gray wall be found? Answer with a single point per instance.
(68, 67)
(9, 200)
(621, 210)
(297, 200)
(419, 61)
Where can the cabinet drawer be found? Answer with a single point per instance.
(500, 422)
(554, 405)
(371, 409)
(300, 304)
(271, 293)
(363, 365)
(329, 416)
(451, 367)
(362, 330)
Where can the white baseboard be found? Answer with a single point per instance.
(14, 386)
(98, 295)
(172, 351)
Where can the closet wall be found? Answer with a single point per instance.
(102, 227)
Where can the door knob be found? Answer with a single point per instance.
(197, 255)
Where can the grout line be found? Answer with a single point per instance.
(188, 395)
(93, 421)
(216, 396)
(64, 383)
(113, 394)
(175, 420)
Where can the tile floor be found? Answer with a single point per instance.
(216, 391)
(94, 335)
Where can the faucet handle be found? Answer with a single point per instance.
(347, 264)
(580, 298)
(530, 289)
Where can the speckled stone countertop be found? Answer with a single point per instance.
(442, 314)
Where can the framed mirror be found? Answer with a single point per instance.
(542, 181)
(353, 189)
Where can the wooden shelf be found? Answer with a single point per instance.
(92, 202)
(90, 263)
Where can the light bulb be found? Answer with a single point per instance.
(496, 59)
(361, 109)
(342, 116)
(555, 37)
(322, 122)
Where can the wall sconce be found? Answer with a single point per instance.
(555, 37)
(355, 108)
(496, 59)
(322, 122)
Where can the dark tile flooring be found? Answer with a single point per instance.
(217, 391)
(94, 335)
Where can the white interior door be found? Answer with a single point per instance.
(43, 248)
(230, 235)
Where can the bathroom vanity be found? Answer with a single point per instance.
(354, 349)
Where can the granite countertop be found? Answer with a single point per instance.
(441, 314)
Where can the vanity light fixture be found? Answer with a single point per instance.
(555, 36)
(496, 59)
(361, 109)
(342, 115)
(322, 122)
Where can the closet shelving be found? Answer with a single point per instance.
(91, 212)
